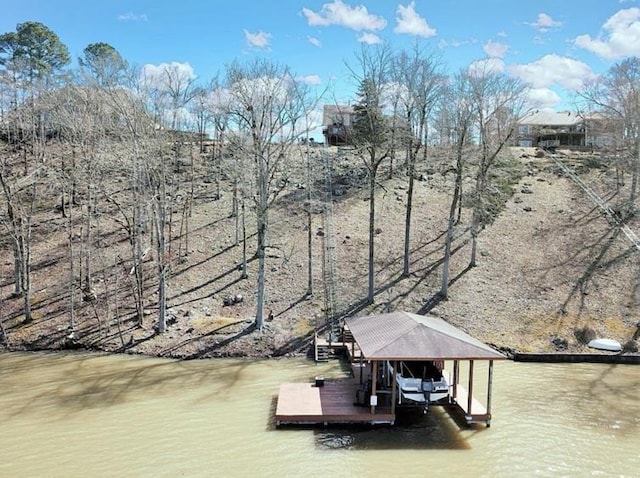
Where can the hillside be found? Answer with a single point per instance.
(549, 266)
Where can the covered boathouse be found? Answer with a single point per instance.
(388, 347)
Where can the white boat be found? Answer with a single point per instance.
(420, 383)
(606, 344)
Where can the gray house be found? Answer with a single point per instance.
(336, 122)
(551, 129)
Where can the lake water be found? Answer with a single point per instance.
(68, 415)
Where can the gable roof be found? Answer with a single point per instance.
(336, 113)
(407, 336)
(551, 118)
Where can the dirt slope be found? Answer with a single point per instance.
(550, 264)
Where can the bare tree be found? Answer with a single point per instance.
(615, 98)
(31, 60)
(19, 193)
(421, 84)
(498, 102)
(136, 154)
(267, 106)
(456, 105)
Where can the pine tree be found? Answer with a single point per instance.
(370, 136)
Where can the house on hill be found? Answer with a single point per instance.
(551, 129)
(336, 122)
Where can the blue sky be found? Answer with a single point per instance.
(553, 45)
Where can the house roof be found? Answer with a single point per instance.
(332, 113)
(407, 336)
(552, 118)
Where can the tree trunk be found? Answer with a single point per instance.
(25, 247)
(3, 331)
(407, 221)
(138, 260)
(162, 268)
(372, 217)
(17, 267)
(444, 288)
(635, 174)
(474, 247)
(244, 274)
(261, 272)
(89, 238)
(459, 212)
(309, 231)
(263, 221)
(15, 236)
(72, 319)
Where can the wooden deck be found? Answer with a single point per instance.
(325, 349)
(478, 412)
(306, 404)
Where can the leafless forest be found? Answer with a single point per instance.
(163, 215)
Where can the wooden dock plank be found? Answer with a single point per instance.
(298, 399)
(304, 403)
(478, 412)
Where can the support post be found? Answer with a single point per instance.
(374, 373)
(470, 396)
(489, 386)
(393, 387)
(456, 377)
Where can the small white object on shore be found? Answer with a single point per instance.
(606, 344)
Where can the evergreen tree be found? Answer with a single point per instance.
(370, 136)
(33, 52)
(104, 63)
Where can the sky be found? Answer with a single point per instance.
(554, 46)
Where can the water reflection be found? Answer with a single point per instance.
(413, 431)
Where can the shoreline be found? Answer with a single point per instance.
(615, 358)
(525, 357)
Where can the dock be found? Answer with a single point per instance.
(332, 403)
(375, 347)
(471, 409)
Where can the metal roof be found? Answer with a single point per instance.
(337, 113)
(407, 336)
(551, 118)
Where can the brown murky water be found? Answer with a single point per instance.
(68, 415)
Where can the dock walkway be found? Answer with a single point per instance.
(306, 403)
(476, 413)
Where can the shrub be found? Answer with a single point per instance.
(631, 346)
(585, 334)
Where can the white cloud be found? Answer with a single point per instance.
(455, 43)
(493, 65)
(133, 17)
(258, 39)
(495, 49)
(369, 38)
(620, 36)
(315, 41)
(544, 98)
(544, 23)
(310, 79)
(338, 13)
(554, 69)
(409, 22)
(158, 75)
